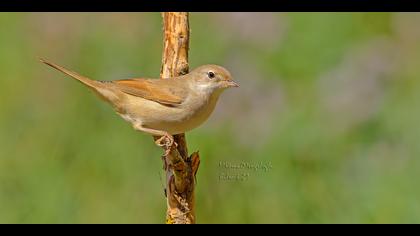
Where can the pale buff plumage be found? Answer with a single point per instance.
(163, 107)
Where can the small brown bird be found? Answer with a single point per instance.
(162, 107)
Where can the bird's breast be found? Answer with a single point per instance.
(198, 110)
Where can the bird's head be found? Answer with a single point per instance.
(212, 78)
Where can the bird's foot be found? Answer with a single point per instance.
(166, 141)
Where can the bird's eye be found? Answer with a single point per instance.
(211, 74)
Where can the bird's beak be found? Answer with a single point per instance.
(231, 83)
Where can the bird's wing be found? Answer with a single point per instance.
(163, 92)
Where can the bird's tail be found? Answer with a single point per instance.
(99, 87)
(91, 83)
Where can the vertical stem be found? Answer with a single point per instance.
(180, 168)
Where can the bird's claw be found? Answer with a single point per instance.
(166, 141)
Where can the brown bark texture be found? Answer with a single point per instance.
(180, 168)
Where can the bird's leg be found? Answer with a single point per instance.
(166, 140)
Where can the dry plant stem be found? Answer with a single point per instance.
(180, 168)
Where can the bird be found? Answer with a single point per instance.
(162, 107)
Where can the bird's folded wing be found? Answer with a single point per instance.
(152, 89)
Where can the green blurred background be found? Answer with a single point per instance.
(329, 101)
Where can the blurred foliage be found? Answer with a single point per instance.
(330, 100)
